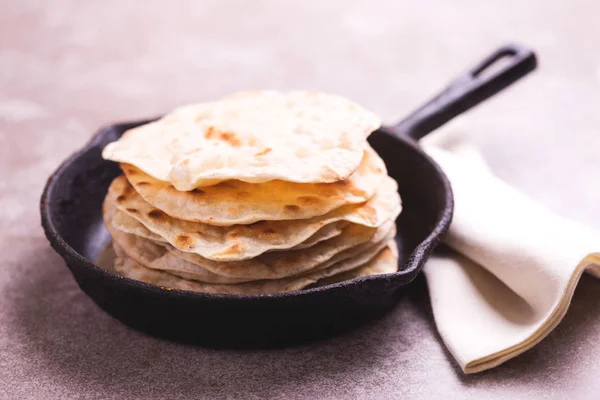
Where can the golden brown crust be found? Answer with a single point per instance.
(291, 208)
(210, 241)
(156, 214)
(263, 152)
(235, 202)
(185, 241)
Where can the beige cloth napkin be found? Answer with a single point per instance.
(513, 266)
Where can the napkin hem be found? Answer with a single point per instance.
(590, 264)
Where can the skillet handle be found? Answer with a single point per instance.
(469, 90)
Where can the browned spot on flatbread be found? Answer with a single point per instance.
(156, 214)
(129, 170)
(184, 240)
(291, 208)
(308, 200)
(132, 210)
(264, 151)
(121, 198)
(142, 183)
(242, 194)
(235, 248)
(230, 138)
(198, 192)
(127, 189)
(210, 132)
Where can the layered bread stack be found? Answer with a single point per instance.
(260, 192)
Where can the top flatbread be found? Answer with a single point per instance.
(258, 136)
(236, 202)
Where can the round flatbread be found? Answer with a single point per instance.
(236, 202)
(385, 261)
(240, 242)
(365, 270)
(258, 136)
(354, 239)
(127, 224)
(281, 264)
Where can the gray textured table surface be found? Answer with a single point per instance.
(67, 67)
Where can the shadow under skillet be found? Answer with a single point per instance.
(62, 337)
(76, 344)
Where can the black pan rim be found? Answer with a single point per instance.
(412, 266)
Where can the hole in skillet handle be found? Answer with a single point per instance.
(495, 72)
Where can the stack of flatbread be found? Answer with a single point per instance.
(259, 192)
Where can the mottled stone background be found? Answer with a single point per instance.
(67, 67)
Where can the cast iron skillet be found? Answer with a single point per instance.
(71, 217)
